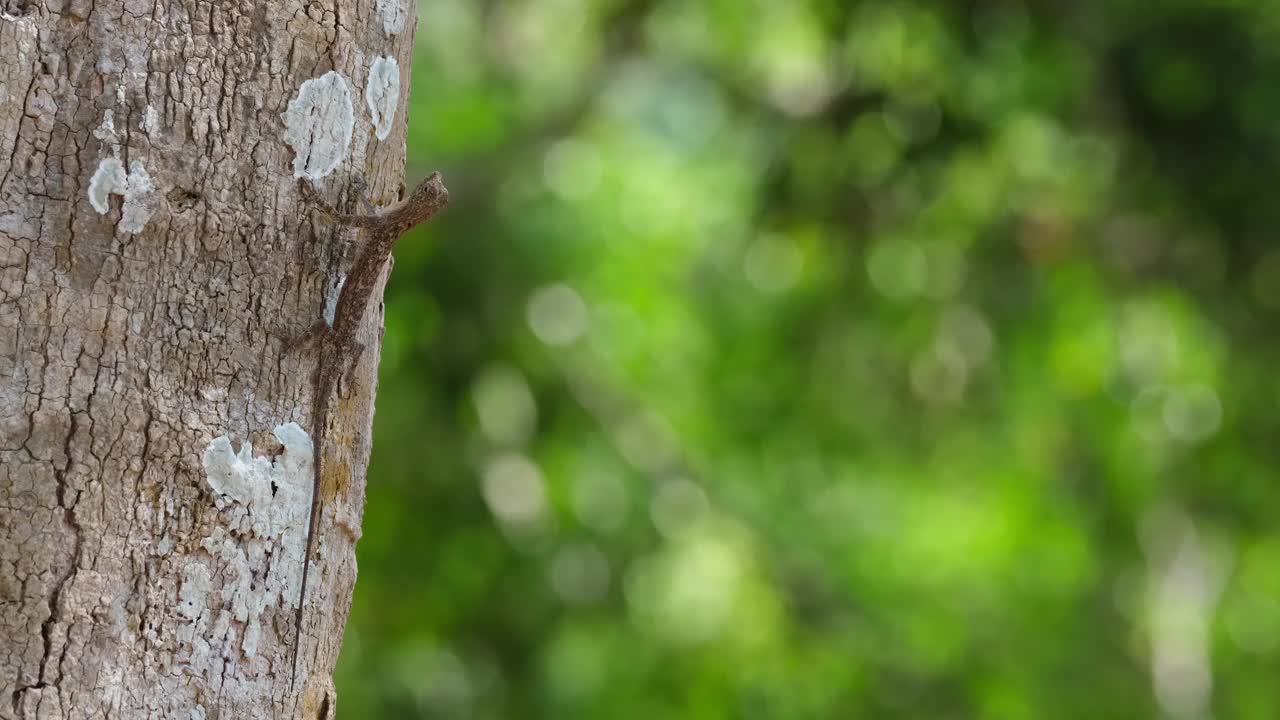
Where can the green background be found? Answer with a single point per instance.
(783, 359)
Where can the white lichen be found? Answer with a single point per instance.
(252, 488)
(331, 301)
(265, 505)
(382, 94)
(139, 202)
(318, 125)
(135, 186)
(106, 131)
(197, 584)
(150, 121)
(107, 179)
(393, 14)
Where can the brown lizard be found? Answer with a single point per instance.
(337, 348)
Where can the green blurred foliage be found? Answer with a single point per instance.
(826, 359)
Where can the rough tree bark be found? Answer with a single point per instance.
(155, 451)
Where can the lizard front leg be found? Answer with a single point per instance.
(312, 198)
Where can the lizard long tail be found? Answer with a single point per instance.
(320, 413)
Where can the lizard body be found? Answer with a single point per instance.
(338, 350)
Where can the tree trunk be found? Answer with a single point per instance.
(155, 430)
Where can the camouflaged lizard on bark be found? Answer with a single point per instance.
(337, 350)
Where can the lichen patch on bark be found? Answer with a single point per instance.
(150, 121)
(106, 132)
(318, 125)
(135, 186)
(382, 94)
(264, 505)
(392, 13)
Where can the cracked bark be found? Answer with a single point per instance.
(124, 354)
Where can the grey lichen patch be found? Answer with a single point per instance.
(393, 14)
(138, 199)
(109, 178)
(382, 94)
(264, 506)
(318, 125)
(150, 122)
(135, 186)
(331, 300)
(106, 132)
(193, 596)
(17, 18)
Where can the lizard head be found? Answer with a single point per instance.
(423, 202)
